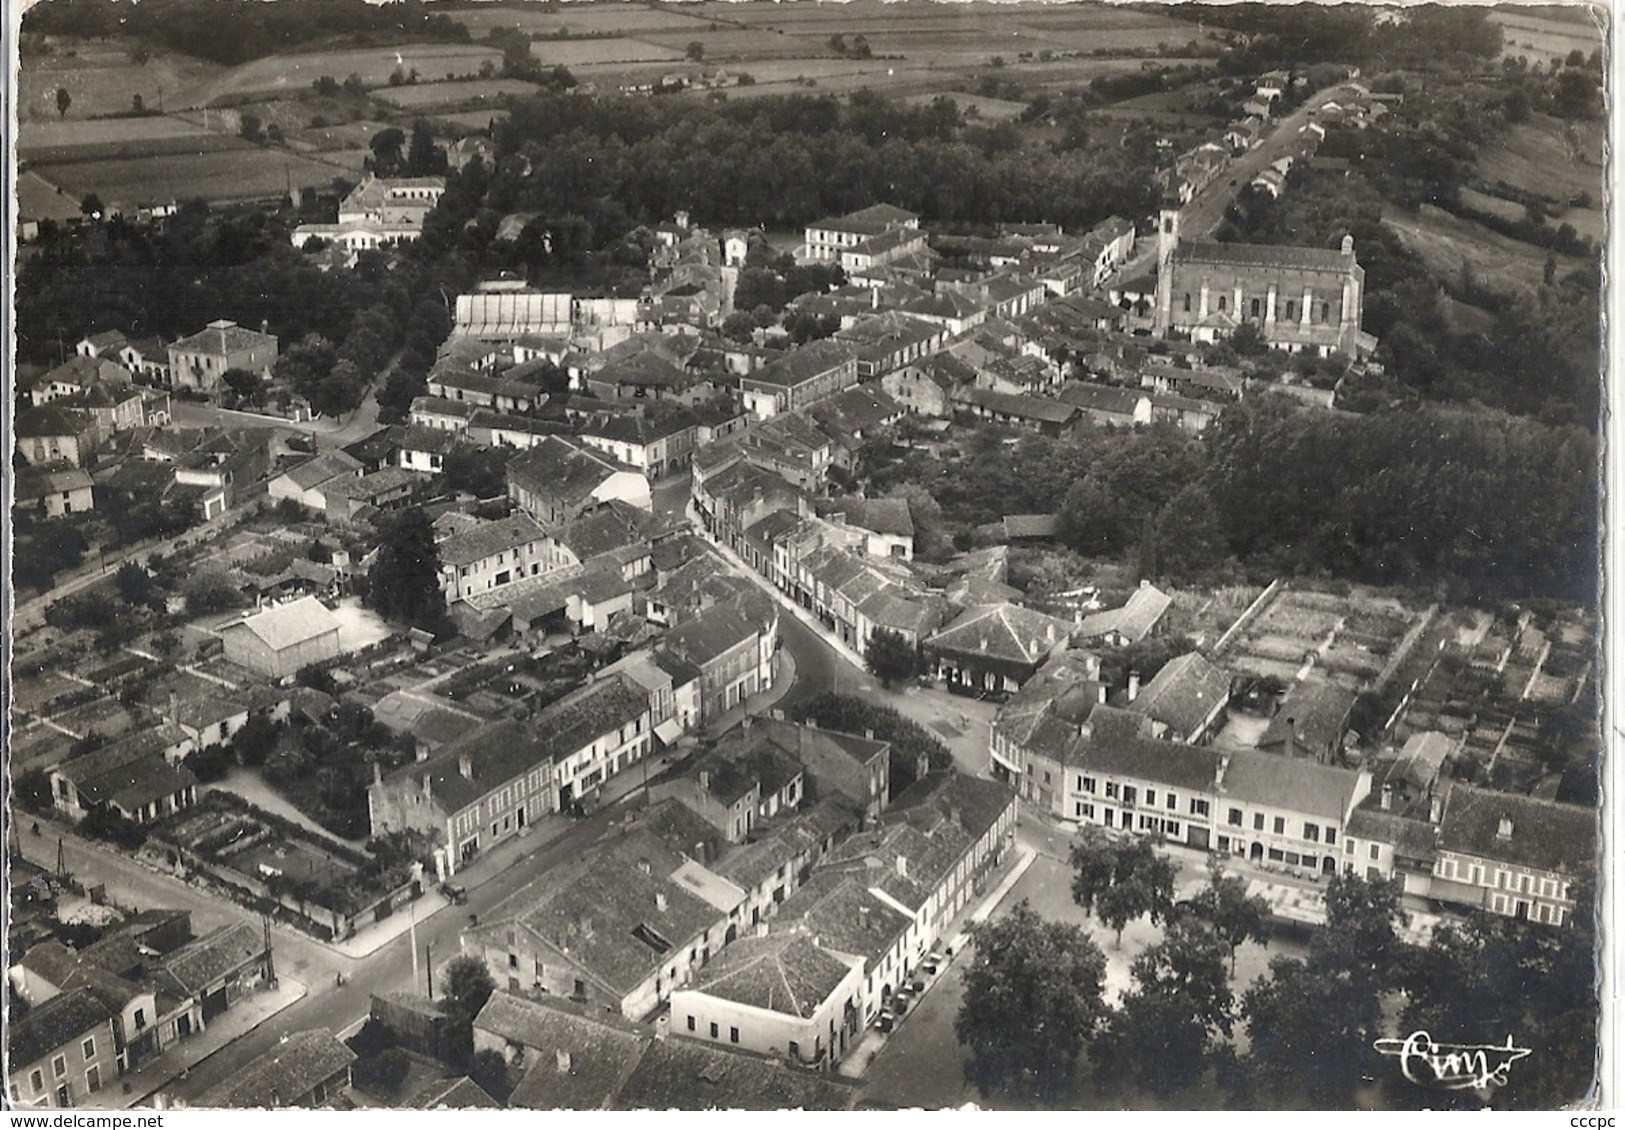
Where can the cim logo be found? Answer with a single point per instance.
(1452, 1067)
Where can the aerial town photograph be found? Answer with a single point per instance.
(804, 555)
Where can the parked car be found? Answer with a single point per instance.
(455, 892)
(885, 1020)
(901, 1000)
(917, 985)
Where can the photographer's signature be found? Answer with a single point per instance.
(1453, 1067)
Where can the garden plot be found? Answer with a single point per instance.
(34, 693)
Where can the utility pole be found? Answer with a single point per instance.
(270, 959)
(412, 909)
(61, 860)
(428, 962)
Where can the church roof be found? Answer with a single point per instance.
(1263, 255)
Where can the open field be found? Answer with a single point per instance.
(1494, 205)
(1444, 242)
(67, 134)
(738, 43)
(248, 174)
(426, 95)
(584, 52)
(1542, 37)
(1546, 156)
(598, 19)
(278, 73)
(103, 80)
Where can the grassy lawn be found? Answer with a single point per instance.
(1445, 241)
(244, 174)
(584, 52)
(606, 19)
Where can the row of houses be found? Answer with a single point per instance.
(1145, 766)
(99, 1012)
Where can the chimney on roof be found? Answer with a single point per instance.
(276, 1097)
(1387, 797)
(644, 865)
(902, 866)
(1218, 777)
(776, 714)
(562, 1059)
(1348, 245)
(660, 901)
(863, 918)
(870, 734)
(1133, 685)
(265, 325)
(1100, 693)
(1435, 807)
(465, 766)
(874, 298)
(705, 780)
(1503, 830)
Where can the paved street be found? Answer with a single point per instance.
(1198, 218)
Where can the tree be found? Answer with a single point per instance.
(249, 127)
(384, 1071)
(138, 105)
(248, 386)
(210, 592)
(890, 657)
(1032, 1000)
(134, 585)
(423, 157)
(1234, 915)
(695, 50)
(386, 147)
(490, 1071)
(404, 582)
(467, 985)
(92, 206)
(34, 789)
(1119, 880)
(1167, 1027)
(63, 101)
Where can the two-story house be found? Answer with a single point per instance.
(61, 1054)
(200, 361)
(804, 376)
(490, 556)
(559, 480)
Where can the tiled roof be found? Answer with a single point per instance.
(801, 365)
(1289, 783)
(288, 1071)
(1184, 693)
(314, 472)
(616, 526)
(288, 624)
(879, 515)
(710, 635)
(59, 1021)
(606, 913)
(460, 1093)
(837, 908)
(1409, 836)
(1003, 631)
(440, 406)
(1020, 406)
(601, 1051)
(137, 782)
(565, 470)
(1311, 714)
(782, 972)
(50, 420)
(481, 542)
(221, 339)
(200, 963)
(1101, 398)
(681, 1074)
(1134, 620)
(1262, 255)
(1542, 833)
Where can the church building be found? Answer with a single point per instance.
(1299, 298)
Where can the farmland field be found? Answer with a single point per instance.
(433, 94)
(599, 19)
(103, 80)
(66, 134)
(241, 175)
(37, 199)
(1540, 37)
(293, 73)
(584, 52)
(739, 43)
(182, 146)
